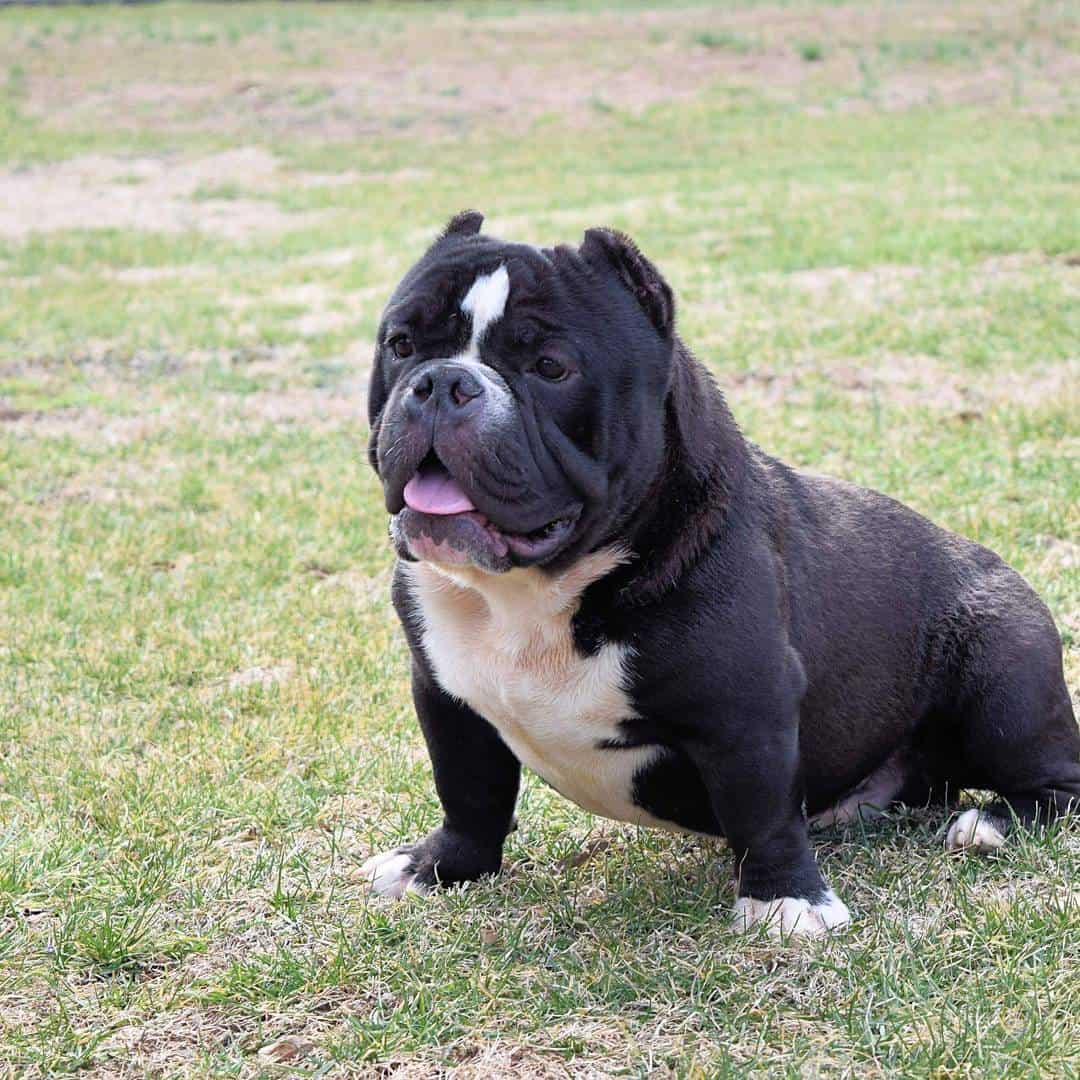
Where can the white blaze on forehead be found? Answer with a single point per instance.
(485, 302)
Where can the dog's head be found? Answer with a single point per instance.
(517, 401)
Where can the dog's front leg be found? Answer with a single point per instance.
(477, 779)
(752, 776)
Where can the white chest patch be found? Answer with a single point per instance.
(503, 644)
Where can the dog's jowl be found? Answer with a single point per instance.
(602, 580)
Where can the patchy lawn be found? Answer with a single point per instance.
(870, 216)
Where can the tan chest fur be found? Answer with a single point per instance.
(503, 644)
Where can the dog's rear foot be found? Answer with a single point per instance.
(977, 831)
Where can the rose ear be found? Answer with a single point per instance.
(637, 273)
(466, 223)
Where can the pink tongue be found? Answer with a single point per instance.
(436, 492)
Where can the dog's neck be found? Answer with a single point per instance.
(687, 504)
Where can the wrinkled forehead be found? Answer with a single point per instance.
(482, 281)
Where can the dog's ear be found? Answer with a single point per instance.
(637, 273)
(466, 223)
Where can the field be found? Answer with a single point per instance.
(870, 213)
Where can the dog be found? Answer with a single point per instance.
(600, 578)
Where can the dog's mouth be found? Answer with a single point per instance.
(440, 523)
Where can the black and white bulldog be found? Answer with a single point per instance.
(600, 578)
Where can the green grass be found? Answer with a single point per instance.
(712, 39)
(872, 227)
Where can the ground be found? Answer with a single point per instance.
(869, 212)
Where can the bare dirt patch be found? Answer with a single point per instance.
(261, 676)
(876, 283)
(325, 309)
(225, 414)
(87, 425)
(310, 407)
(143, 379)
(158, 1044)
(501, 72)
(156, 194)
(911, 380)
(147, 275)
(1059, 555)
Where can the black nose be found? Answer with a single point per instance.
(447, 386)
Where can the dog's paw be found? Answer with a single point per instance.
(791, 916)
(974, 831)
(442, 858)
(394, 873)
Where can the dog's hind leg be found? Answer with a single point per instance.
(985, 829)
(869, 798)
(1018, 735)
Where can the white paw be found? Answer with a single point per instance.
(791, 916)
(973, 830)
(389, 874)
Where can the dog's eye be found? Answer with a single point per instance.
(547, 367)
(402, 345)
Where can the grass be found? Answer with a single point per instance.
(204, 716)
(811, 51)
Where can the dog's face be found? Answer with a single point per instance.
(517, 398)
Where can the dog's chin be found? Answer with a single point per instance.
(471, 539)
